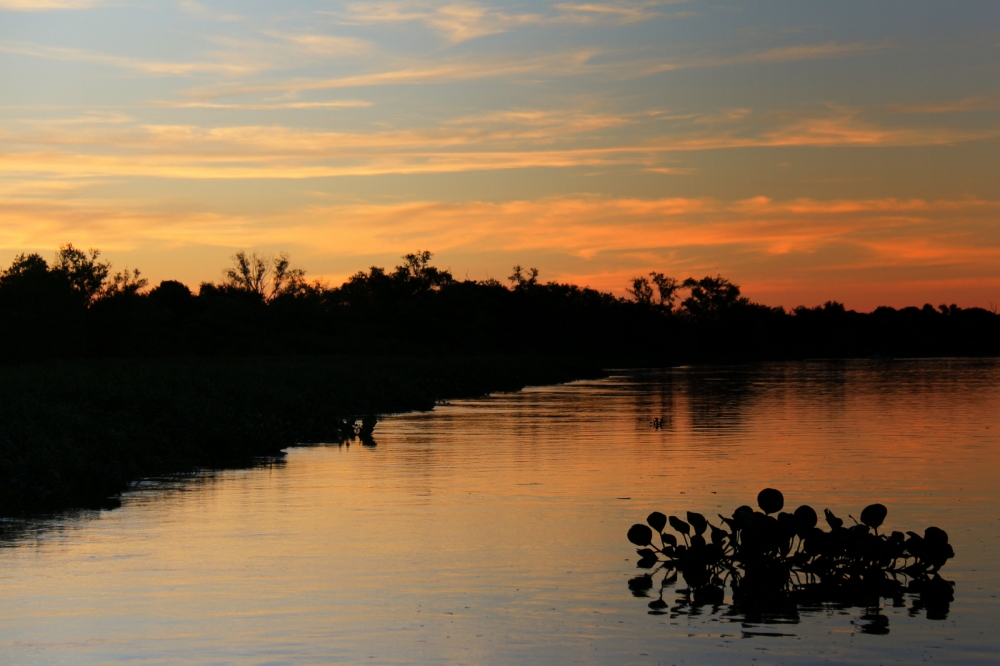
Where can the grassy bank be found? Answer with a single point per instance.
(75, 433)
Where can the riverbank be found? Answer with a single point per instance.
(76, 433)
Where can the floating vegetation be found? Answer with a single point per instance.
(778, 563)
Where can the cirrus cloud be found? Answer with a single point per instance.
(46, 5)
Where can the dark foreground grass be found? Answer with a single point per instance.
(76, 433)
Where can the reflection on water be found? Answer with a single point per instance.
(491, 530)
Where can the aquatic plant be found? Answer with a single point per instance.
(774, 559)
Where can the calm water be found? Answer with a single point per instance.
(493, 530)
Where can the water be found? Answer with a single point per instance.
(493, 530)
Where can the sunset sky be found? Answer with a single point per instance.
(806, 150)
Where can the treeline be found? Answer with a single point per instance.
(77, 307)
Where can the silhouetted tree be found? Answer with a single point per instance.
(125, 283)
(41, 311)
(265, 277)
(286, 279)
(523, 279)
(84, 271)
(667, 288)
(26, 265)
(171, 294)
(415, 277)
(248, 273)
(28, 285)
(711, 296)
(641, 291)
(265, 306)
(417, 272)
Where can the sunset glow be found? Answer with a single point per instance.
(807, 151)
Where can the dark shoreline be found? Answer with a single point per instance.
(77, 433)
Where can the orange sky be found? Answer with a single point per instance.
(806, 151)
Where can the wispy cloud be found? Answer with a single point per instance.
(335, 104)
(802, 52)
(457, 22)
(269, 50)
(782, 54)
(967, 104)
(124, 62)
(46, 5)
(619, 12)
(321, 44)
(544, 125)
(445, 71)
(523, 68)
(195, 8)
(831, 127)
(115, 145)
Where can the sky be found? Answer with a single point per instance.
(807, 151)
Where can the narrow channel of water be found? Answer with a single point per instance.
(493, 530)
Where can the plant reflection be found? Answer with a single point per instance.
(348, 430)
(778, 565)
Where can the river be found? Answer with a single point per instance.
(493, 530)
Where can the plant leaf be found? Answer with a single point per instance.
(679, 525)
(874, 515)
(770, 500)
(657, 521)
(698, 522)
(640, 535)
(805, 519)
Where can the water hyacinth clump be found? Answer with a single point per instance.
(777, 559)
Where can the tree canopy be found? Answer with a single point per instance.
(76, 306)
